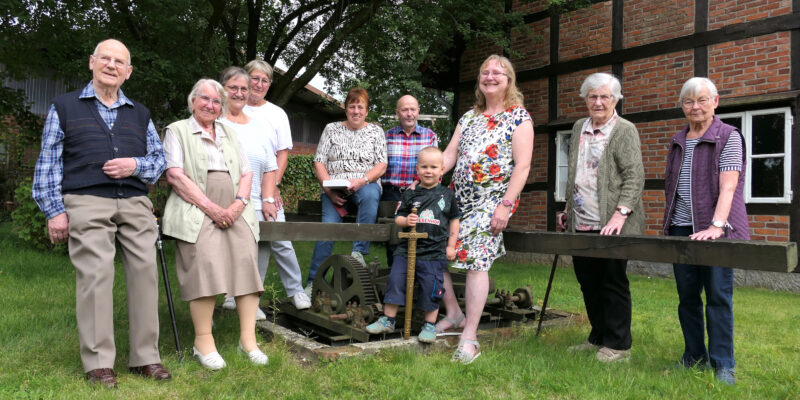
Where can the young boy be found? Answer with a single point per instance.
(438, 215)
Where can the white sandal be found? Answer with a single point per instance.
(212, 361)
(257, 357)
(455, 324)
(462, 356)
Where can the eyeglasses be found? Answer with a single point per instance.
(702, 102)
(206, 99)
(235, 89)
(116, 62)
(489, 74)
(255, 80)
(604, 98)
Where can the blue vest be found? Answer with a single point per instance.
(89, 143)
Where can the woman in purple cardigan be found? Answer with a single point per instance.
(705, 201)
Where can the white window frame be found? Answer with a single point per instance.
(747, 132)
(562, 160)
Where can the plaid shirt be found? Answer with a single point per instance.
(402, 152)
(50, 165)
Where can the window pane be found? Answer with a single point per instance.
(767, 177)
(733, 121)
(562, 181)
(768, 133)
(563, 150)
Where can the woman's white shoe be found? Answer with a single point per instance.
(212, 361)
(257, 357)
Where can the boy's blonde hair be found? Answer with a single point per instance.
(431, 150)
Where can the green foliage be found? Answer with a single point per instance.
(299, 182)
(29, 222)
(20, 133)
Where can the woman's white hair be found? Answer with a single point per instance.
(694, 85)
(599, 79)
(223, 95)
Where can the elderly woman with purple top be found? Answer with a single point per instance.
(704, 193)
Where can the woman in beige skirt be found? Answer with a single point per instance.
(208, 211)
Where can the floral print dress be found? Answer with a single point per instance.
(481, 178)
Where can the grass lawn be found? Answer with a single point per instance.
(39, 347)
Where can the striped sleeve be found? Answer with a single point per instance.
(731, 157)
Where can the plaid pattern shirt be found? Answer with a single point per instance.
(50, 165)
(402, 152)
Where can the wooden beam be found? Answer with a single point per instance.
(314, 231)
(751, 255)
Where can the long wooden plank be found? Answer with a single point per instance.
(751, 255)
(314, 231)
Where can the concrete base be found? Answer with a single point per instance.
(309, 350)
(788, 282)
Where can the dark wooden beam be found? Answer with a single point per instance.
(750, 255)
(316, 231)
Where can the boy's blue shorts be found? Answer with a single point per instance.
(429, 275)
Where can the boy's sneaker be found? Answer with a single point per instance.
(359, 257)
(427, 334)
(725, 375)
(229, 304)
(382, 325)
(301, 301)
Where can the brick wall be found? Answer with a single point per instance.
(750, 66)
(727, 12)
(647, 21)
(303, 148)
(585, 32)
(654, 137)
(570, 102)
(653, 201)
(532, 212)
(654, 83)
(773, 228)
(534, 94)
(473, 57)
(538, 171)
(530, 46)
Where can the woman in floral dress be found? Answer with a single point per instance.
(491, 150)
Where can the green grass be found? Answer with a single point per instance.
(39, 348)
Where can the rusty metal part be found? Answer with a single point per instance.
(340, 280)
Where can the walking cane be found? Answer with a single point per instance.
(412, 264)
(547, 294)
(160, 247)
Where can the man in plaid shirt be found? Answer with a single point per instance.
(403, 142)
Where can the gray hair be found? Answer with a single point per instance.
(694, 85)
(234, 72)
(259, 65)
(199, 85)
(599, 79)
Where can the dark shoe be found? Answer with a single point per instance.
(725, 375)
(154, 371)
(104, 376)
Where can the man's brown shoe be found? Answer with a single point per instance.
(104, 376)
(154, 371)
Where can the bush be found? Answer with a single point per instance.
(28, 221)
(299, 182)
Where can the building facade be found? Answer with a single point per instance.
(749, 48)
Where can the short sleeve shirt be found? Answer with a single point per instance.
(275, 121)
(349, 154)
(436, 207)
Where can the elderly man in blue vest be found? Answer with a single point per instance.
(99, 152)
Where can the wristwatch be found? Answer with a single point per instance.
(270, 200)
(507, 203)
(366, 179)
(718, 224)
(624, 211)
(244, 200)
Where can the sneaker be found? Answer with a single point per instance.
(585, 346)
(382, 325)
(301, 301)
(308, 289)
(260, 316)
(608, 355)
(725, 375)
(359, 257)
(229, 304)
(427, 334)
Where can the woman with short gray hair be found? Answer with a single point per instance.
(604, 196)
(704, 186)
